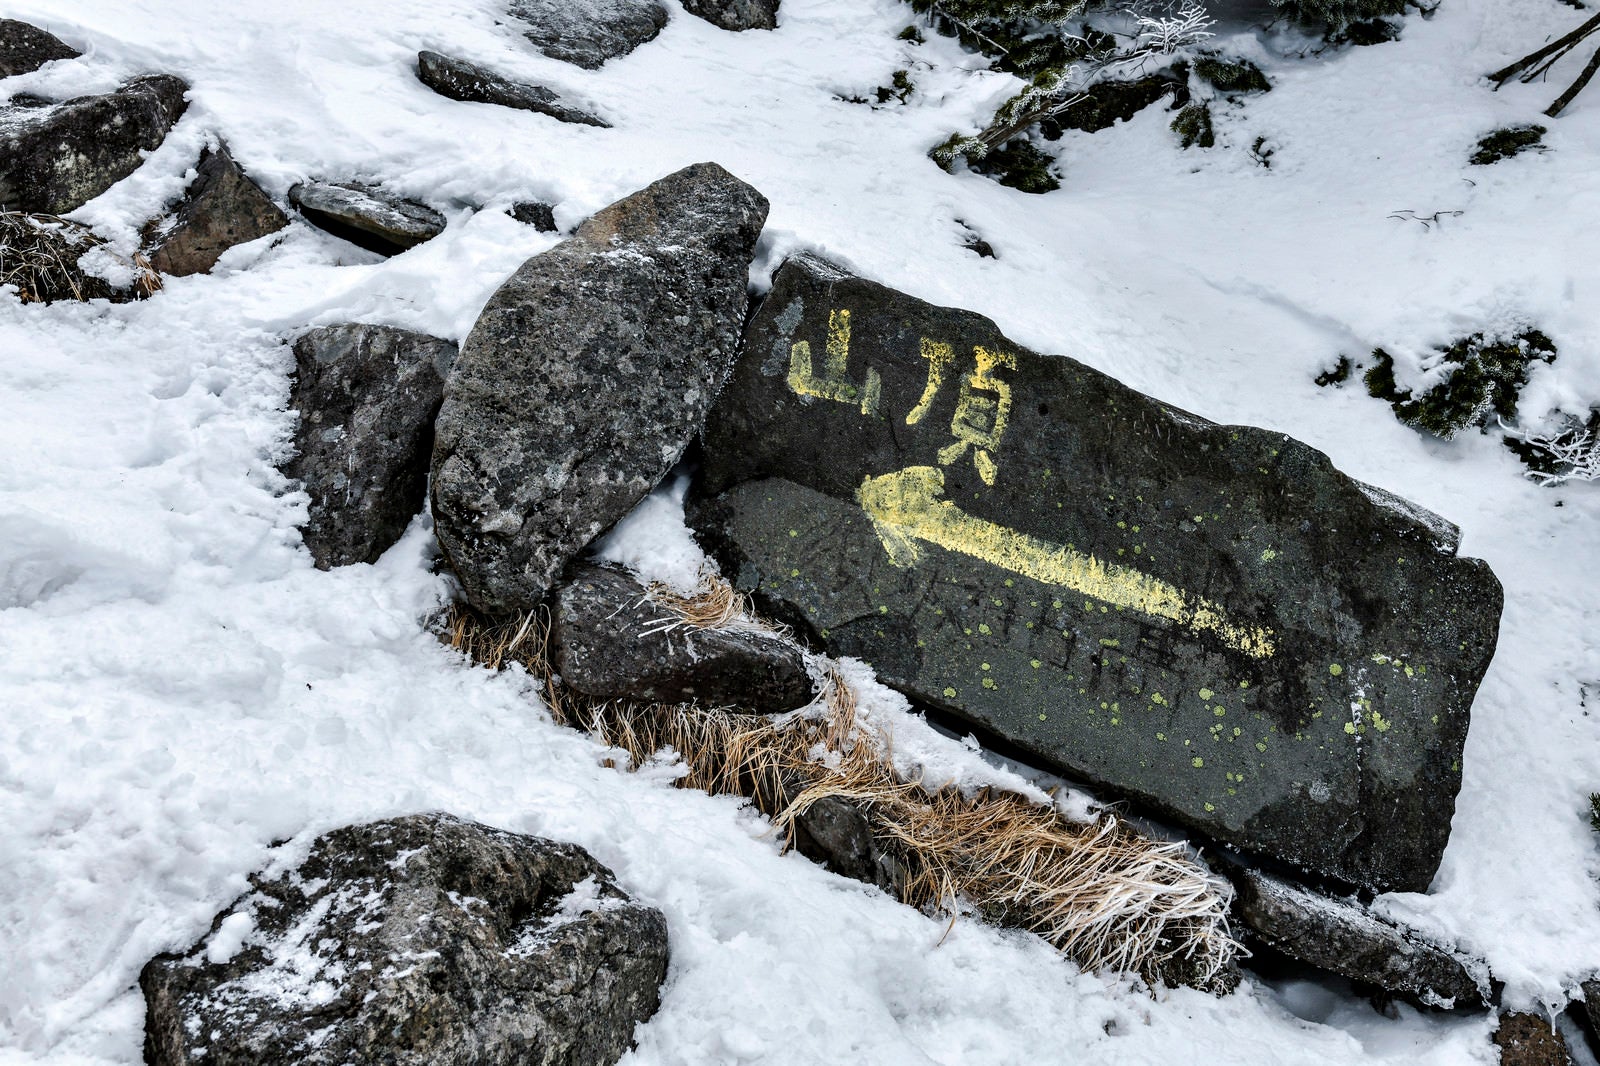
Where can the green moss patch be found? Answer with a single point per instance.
(1507, 142)
(1193, 127)
(1231, 75)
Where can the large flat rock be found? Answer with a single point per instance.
(586, 376)
(1210, 619)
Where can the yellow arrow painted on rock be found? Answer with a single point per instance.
(906, 508)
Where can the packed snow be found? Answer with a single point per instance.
(188, 701)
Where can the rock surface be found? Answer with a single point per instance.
(540, 216)
(1208, 618)
(837, 833)
(25, 48)
(736, 14)
(461, 80)
(56, 159)
(589, 32)
(1343, 937)
(366, 216)
(586, 376)
(1529, 1040)
(420, 941)
(367, 397)
(220, 209)
(611, 642)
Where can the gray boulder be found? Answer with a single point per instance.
(1209, 619)
(461, 80)
(57, 158)
(736, 14)
(1526, 1039)
(367, 216)
(25, 48)
(367, 397)
(221, 208)
(611, 642)
(1344, 937)
(589, 32)
(585, 377)
(420, 941)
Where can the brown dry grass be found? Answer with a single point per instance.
(39, 255)
(1105, 896)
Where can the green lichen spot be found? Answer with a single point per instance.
(1197, 762)
(998, 603)
(1350, 727)
(1042, 718)
(1244, 684)
(1380, 723)
(1206, 694)
(1010, 583)
(983, 627)
(1110, 643)
(794, 532)
(1268, 555)
(1219, 711)
(883, 609)
(1335, 669)
(1161, 737)
(985, 666)
(988, 682)
(1122, 525)
(1261, 745)
(1156, 697)
(949, 693)
(1035, 663)
(1209, 808)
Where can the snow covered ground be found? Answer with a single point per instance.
(181, 690)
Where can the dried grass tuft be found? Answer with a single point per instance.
(39, 254)
(1105, 896)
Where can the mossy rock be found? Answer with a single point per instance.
(1507, 142)
(1232, 75)
(1484, 376)
(1193, 127)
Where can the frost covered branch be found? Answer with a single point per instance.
(1572, 454)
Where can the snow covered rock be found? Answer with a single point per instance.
(366, 216)
(56, 159)
(1343, 937)
(25, 48)
(367, 397)
(586, 376)
(461, 80)
(736, 14)
(611, 642)
(1210, 619)
(541, 216)
(589, 32)
(221, 208)
(418, 940)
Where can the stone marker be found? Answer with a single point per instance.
(461, 80)
(367, 397)
(611, 642)
(736, 14)
(56, 159)
(366, 216)
(415, 941)
(25, 48)
(1343, 937)
(220, 209)
(585, 378)
(589, 32)
(1208, 618)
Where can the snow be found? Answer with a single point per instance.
(188, 700)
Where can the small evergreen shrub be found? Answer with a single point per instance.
(1338, 14)
(1232, 75)
(1193, 127)
(1482, 376)
(1020, 164)
(1338, 375)
(1507, 142)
